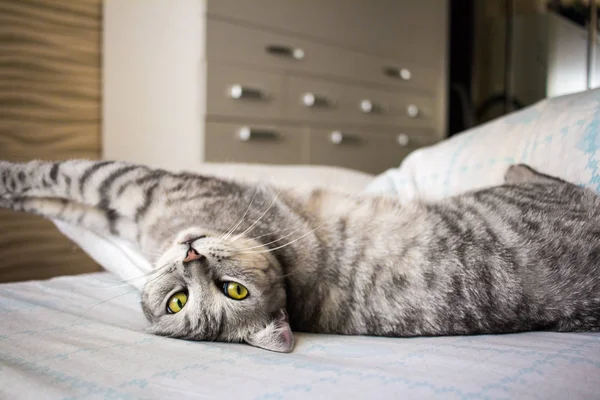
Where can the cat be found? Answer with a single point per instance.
(241, 262)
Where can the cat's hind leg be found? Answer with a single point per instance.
(522, 173)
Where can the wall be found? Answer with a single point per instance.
(49, 109)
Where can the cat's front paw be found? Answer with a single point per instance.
(9, 179)
(5, 203)
(4, 172)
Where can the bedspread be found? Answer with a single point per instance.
(83, 337)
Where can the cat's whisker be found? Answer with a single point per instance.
(284, 245)
(259, 218)
(274, 241)
(124, 282)
(267, 234)
(233, 228)
(127, 282)
(111, 298)
(248, 263)
(292, 272)
(97, 304)
(157, 252)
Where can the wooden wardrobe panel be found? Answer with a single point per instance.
(49, 109)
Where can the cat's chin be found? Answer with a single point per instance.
(277, 336)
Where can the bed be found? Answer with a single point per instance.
(84, 337)
(61, 339)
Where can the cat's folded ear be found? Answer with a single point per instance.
(276, 336)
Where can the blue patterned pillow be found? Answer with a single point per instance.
(558, 136)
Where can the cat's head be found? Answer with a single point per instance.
(215, 287)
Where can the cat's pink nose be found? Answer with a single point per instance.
(193, 255)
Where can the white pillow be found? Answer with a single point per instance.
(559, 136)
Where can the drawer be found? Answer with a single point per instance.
(269, 144)
(389, 28)
(242, 92)
(372, 152)
(336, 102)
(242, 46)
(374, 106)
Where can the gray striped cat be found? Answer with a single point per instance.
(232, 260)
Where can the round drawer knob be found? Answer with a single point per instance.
(339, 137)
(370, 107)
(309, 99)
(405, 74)
(237, 92)
(412, 111)
(286, 51)
(367, 106)
(298, 54)
(245, 133)
(397, 73)
(336, 137)
(403, 139)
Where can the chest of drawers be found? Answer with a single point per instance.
(337, 82)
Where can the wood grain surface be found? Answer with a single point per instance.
(49, 109)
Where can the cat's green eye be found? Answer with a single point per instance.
(235, 290)
(176, 302)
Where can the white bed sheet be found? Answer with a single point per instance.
(53, 345)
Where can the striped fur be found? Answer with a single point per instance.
(517, 257)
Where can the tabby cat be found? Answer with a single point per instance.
(233, 259)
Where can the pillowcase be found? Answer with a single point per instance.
(558, 136)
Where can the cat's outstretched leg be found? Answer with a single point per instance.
(105, 196)
(70, 212)
(522, 173)
(83, 181)
(121, 198)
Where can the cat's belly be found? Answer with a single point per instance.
(464, 289)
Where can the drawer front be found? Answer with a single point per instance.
(233, 44)
(242, 92)
(374, 106)
(269, 144)
(318, 100)
(388, 28)
(365, 151)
